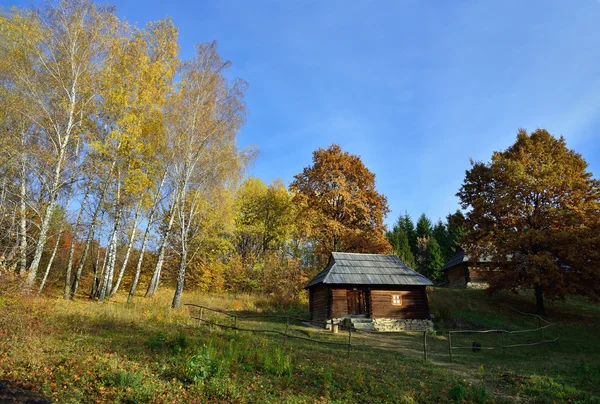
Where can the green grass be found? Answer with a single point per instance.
(567, 370)
(84, 351)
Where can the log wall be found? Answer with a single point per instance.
(339, 303)
(332, 302)
(456, 276)
(318, 302)
(414, 303)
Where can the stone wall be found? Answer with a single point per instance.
(390, 325)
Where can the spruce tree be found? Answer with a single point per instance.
(441, 235)
(402, 249)
(434, 261)
(424, 228)
(406, 224)
(457, 230)
(399, 240)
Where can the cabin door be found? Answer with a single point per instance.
(356, 300)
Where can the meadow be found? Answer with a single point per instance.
(84, 351)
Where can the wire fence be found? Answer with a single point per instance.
(287, 333)
(501, 338)
(486, 339)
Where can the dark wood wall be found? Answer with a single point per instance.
(339, 303)
(332, 302)
(414, 303)
(459, 275)
(456, 276)
(318, 302)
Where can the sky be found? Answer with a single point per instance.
(415, 88)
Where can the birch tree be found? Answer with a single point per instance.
(206, 114)
(68, 50)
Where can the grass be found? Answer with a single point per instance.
(84, 351)
(567, 370)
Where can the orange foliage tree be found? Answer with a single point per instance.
(534, 211)
(339, 205)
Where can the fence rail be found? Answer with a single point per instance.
(350, 329)
(286, 334)
(541, 329)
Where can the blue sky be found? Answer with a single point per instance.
(415, 88)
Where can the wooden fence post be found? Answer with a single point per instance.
(425, 345)
(201, 310)
(450, 345)
(503, 343)
(235, 323)
(287, 324)
(349, 340)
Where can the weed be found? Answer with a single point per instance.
(458, 392)
(156, 341)
(479, 394)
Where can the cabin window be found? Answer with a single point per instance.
(397, 300)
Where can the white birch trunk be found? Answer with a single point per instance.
(66, 293)
(112, 247)
(128, 252)
(53, 195)
(153, 285)
(138, 268)
(56, 244)
(180, 279)
(22, 267)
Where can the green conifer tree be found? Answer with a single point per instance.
(424, 228)
(435, 260)
(441, 235)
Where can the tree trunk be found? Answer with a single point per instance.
(22, 267)
(539, 300)
(95, 264)
(106, 284)
(86, 248)
(98, 279)
(67, 293)
(89, 239)
(49, 211)
(138, 267)
(153, 285)
(61, 230)
(180, 279)
(128, 252)
(58, 236)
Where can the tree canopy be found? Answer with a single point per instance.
(534, 211)
(337, 192)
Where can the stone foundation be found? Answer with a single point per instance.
(382, 324)
(391, 325)
(477, 285)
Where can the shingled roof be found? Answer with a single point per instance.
(367, 269)
(461, 257)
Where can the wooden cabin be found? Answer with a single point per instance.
(372, 286)
(462, 272)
